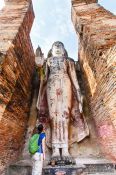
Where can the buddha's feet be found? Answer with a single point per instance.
(56, 153)
(65, 152)
(68, 160)
(54, 160)
(61, 161)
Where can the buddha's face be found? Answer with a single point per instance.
(58, 49)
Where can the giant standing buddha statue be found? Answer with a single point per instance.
(60, 102)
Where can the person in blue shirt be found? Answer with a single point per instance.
(39, 156)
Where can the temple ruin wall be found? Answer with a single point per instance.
(96, 30)
(16, 70)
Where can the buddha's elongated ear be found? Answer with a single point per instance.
(65, 53)
(49, 53)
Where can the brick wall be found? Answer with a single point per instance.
(16, 70)
(96, 28)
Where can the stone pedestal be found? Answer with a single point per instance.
(64, 170)
(62, 161)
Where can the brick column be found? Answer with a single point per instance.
(96, 29)
(16, 70)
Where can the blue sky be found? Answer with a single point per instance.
(53, 22)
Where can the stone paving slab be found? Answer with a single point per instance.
(97, 166)
(92, 160)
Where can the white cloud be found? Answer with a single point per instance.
(2, 4)
(53, 20)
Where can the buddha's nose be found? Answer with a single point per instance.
(58, 45)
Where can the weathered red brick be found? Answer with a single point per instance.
(96, 28)
(16, 70)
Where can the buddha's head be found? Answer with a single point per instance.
(58, 50)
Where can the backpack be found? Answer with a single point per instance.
(33, 144)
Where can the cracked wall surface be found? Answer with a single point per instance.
(96, 30)
(16, 70)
